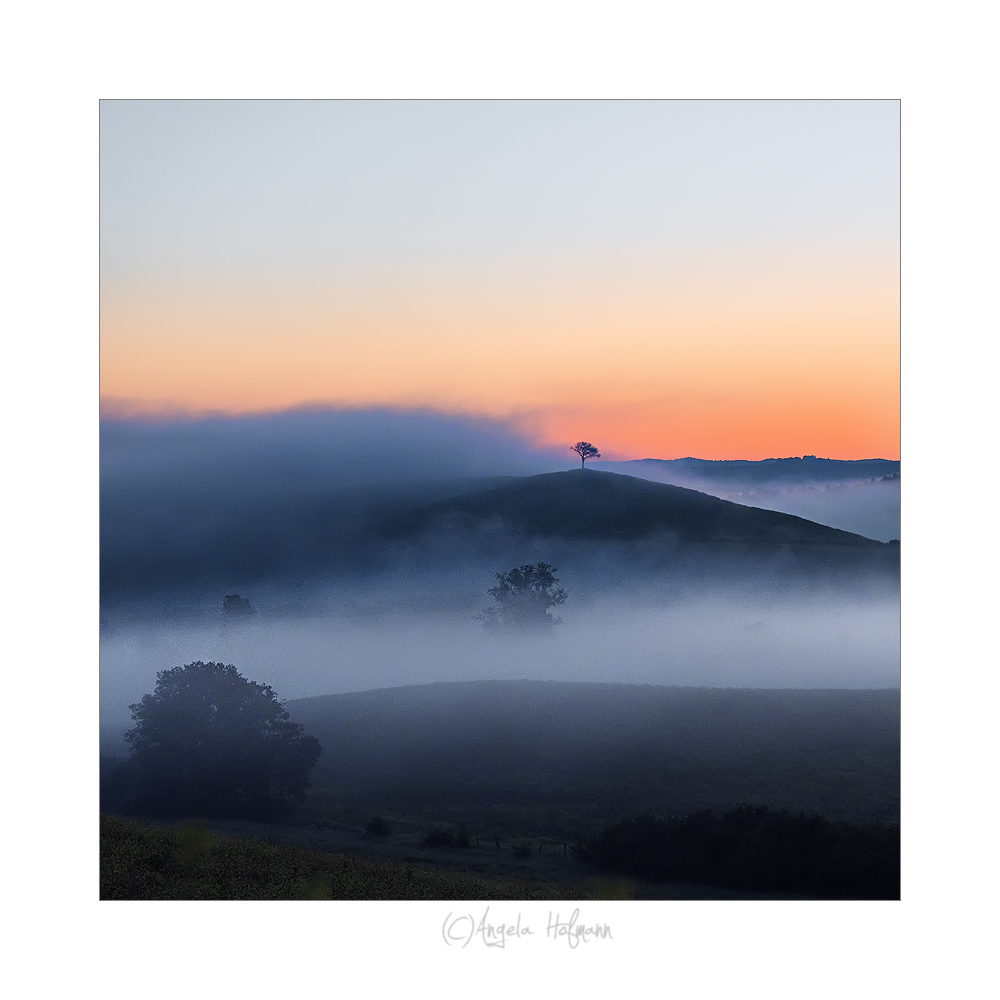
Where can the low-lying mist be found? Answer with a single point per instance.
(229, 502)
(850, 499)
(822, 639)
(869, 508)
(318, 518)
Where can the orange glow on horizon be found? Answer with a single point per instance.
(752, 374)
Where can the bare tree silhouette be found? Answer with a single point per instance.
(585, 450)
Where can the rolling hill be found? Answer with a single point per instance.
(587, 504)
(558, 758)
(209, 546)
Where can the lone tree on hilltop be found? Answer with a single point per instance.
(209, 742)
(523, 598)
(585, 450)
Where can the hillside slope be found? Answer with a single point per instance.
(565, 757)
(603, 505)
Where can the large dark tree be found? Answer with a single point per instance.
(523, 597)
(209, 742)
(585, 450)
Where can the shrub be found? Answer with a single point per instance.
(757, 849)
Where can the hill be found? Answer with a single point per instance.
(535, 758)
(768, 471)
(356, 537)
(857, 496)
(593, 505)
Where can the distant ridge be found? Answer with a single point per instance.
(807, 469)
(604, 505)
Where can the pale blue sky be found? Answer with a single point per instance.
(198, 189)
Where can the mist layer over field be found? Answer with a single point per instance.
(864, 499)
(822, 640)
(366, 543)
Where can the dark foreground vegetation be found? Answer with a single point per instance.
(209, 742)
(496, 781)
(755, 849)
(140, 861)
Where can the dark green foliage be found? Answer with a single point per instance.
(523, 598)
(756, 849)
(378, 827)
(209, 742)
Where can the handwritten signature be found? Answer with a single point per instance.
(461, 929)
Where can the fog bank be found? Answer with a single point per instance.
(818, 641)
(827, 492)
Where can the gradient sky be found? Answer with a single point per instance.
(717, 279)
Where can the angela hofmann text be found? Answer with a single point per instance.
(461, 929)
(575, 933)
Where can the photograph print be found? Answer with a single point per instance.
(500, 500)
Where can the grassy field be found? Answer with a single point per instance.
(563, 761)
(191, 861)
(528, 770)
(244, 861)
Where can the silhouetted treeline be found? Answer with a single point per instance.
(753, 848)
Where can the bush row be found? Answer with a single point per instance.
(755, 849)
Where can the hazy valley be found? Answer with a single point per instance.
(765, 644)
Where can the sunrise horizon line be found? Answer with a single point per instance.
(114, 410)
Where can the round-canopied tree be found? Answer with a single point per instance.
(523, 597)
(209, 742)
(585, 450)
